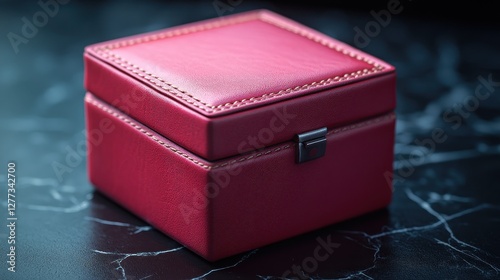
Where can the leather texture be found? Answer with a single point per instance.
(259, 198)
(211, 85)
(191, 129)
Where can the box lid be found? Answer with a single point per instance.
(210, 86)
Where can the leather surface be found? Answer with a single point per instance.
(212, 206)
(209, 86)
(147, 177)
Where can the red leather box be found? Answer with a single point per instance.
(237, 132)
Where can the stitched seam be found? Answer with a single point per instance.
(105, 52)
(147, 133)
(362, 124)
(255, 155)
(334, 131)
(179, 152)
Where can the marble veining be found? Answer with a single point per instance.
(123, 256)
(246, 256)
(470, 254)
(443, 221)
(133, 229)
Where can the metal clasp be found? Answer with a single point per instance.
(310, 145)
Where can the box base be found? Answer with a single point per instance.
(222, 208)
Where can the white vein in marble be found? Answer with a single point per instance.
(124, 256)
(132, 228)
(225, 267)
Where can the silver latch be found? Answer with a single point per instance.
(310, 145)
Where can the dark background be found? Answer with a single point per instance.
(444, 220)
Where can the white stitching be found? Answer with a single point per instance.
(105, 52)
(252, 156)
(173, 149)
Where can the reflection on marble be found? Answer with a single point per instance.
(443, 221)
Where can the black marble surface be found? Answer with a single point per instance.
(443, 223)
